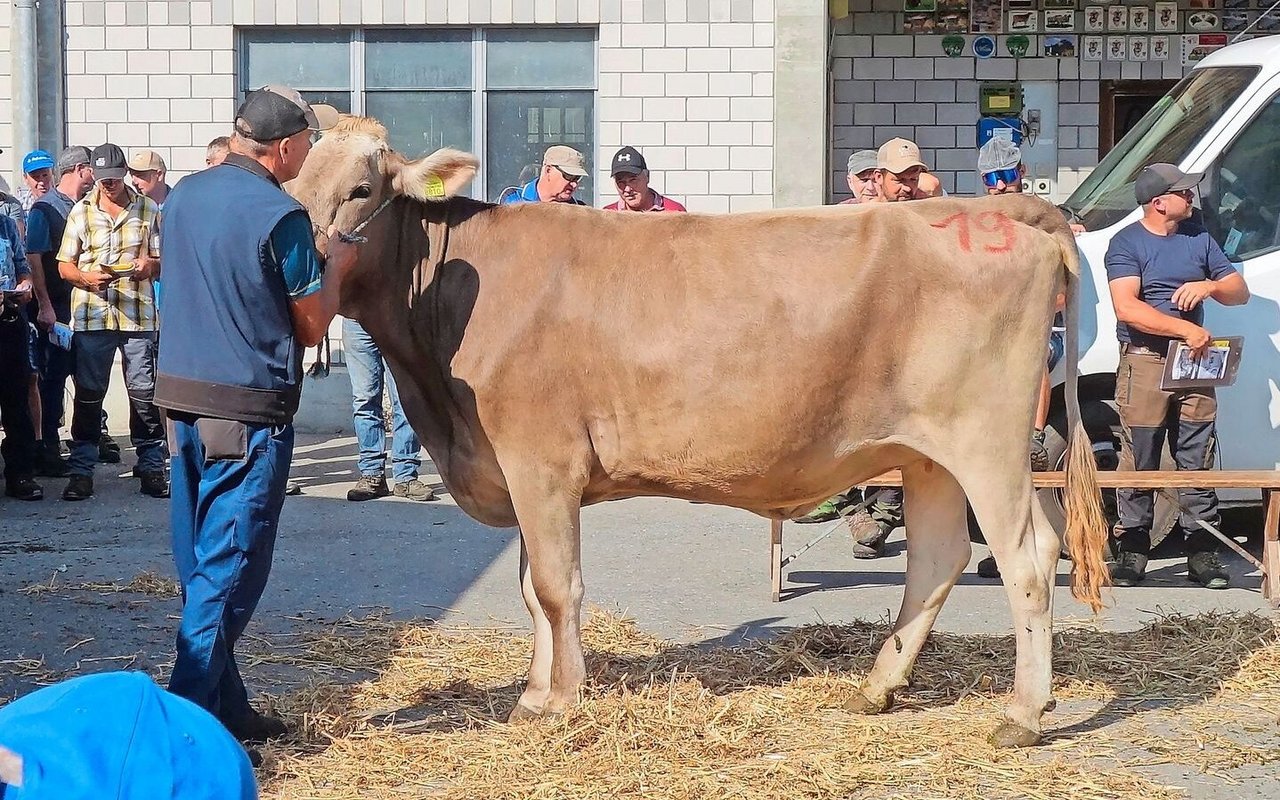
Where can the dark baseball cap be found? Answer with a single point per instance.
(1157, 179)
(628, 160)
(278, 112)
(108, 161)
(72, 157)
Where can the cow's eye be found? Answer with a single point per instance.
(361, 192)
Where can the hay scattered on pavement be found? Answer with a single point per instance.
(146, 582)
(765, 720)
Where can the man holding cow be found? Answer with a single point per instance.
(245, 277)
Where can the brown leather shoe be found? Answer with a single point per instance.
(868, 535)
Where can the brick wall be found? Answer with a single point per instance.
(887, 84)
(689, 83)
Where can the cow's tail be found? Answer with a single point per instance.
(1086, 534)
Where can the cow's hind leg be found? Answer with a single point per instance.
(1025, 547)
(937, 552)
(551, 582)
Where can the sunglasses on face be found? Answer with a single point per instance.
(110, 183)
(994, 179)
(568, 177)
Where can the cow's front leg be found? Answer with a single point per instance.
(937, 552)
(1026, 548)
(551, 582)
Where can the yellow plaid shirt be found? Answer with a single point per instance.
(93, 239)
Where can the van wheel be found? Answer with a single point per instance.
(1102, 423)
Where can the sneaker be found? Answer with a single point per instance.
(154, 484)
(826, 511)
(257, 728)
(1039, 455)
(868, 535)
(368, 487)
(1129, 568)
(414, 490)
(988, 569)
(80, 487)
(1205, 568)
(49, 463)
(108, 451)
(23, 489)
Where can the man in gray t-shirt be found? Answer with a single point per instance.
(1161, 270)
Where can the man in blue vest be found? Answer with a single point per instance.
(243, 275)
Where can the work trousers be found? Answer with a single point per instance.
(1149, 416)
(228, 484)
(95, 353)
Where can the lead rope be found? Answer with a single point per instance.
(353, 236)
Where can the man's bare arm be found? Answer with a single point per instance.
(1132, 311)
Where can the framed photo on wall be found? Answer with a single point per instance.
(1059, 20)
(1117, 18)
(1159, 48)
(1166, 17)
(1092, 48)
(1139, 18)
(1095, 18)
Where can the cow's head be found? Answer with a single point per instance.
(352, 172)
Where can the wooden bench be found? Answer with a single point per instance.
(1166, 481)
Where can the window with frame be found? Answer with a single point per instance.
(504, 94)
(1241, 196)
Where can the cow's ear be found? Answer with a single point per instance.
(439, 176)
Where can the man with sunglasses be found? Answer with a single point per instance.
(563, 168)
(109, 257)
(1000, 164)
(1161, 270)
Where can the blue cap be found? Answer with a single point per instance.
(37, 159)
(120, 735)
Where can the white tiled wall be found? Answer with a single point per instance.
(689, 83)
(886, 84)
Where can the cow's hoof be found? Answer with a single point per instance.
(1011, 735)
(522, 712)
(860, 704)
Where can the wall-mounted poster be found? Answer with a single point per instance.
(1117, 48)
(1269, 22)
(1139, 18)
(1059, 20)
(1234, 20)
(1060, 4)
(1023, 21)
(1196, 46)
(1202, 3)
(1117, 18)
(1095, 18)
(1237, 3)
(1166, 18)
(1058, 46)
(1159, 48)
(919, 23)
(1203, 21)
(1092, 48)
(1138, 48)
(917, 6)
(984, 16)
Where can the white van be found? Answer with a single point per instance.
(1223, 119)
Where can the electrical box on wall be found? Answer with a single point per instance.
(1000, 98)
(999, 128)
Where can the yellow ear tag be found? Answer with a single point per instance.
(434, 187)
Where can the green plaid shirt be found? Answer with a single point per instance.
(93, 239)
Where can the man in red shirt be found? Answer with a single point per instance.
(631, 176)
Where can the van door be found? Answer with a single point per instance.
(1240, 198)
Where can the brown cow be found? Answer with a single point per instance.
(552, 356)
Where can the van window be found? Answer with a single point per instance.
(1241, 193)
(1166, 133)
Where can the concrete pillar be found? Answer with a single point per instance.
(801, 132)
(22, 53)
(51, 76)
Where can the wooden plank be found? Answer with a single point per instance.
(1271, 549)
(1153, 479)
(775, 558)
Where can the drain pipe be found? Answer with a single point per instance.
(25, 102)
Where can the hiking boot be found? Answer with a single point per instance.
(23, 489)
(49, 463)
(368, 487)
(826, 511)
(80, 487)
(257, 728)
(414, 490)
(1039, 455)
(1129, 568)
(108, 450)
(868, 535)
(1205, 568)
(154, 484)
(988, 569)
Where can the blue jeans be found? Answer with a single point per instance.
(369, 373)
(95, 352)
(227, 490)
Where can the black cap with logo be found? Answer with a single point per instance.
(109, 163)
(1157, 179)
(278, 112)
(628, 161)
